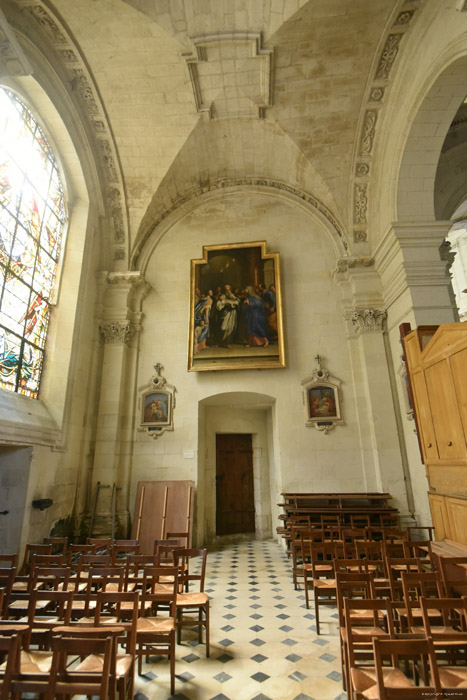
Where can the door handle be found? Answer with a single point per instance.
(219, 477)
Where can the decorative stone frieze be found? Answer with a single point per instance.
(362, 169)
(350, 262)
(12, 59)
(368, 132)
(360, 236)
(118, 332)
(242, 182)
(388, 56)
(404, 17)
(361, 204)
(368, 320)
(376, 94)
(114, 200)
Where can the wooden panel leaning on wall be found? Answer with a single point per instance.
(437, 369)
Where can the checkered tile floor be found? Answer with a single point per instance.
(264, 644)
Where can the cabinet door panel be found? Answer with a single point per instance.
(459, 376)
(439, 516)
(445, 412)
(425, 424)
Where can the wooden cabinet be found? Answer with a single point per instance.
(437, 368)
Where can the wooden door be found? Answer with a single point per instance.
(235, 504)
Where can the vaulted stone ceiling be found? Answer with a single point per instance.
(201, 90)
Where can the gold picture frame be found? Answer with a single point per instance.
(236, 309)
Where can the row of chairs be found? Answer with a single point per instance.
(378, 633)
(354, 543)
(166, 587)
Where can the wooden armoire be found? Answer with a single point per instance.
(436, 359)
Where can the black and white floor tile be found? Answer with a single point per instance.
(264, 644)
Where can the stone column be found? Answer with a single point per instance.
(119, 328)
(376, 405)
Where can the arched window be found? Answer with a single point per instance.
(32, 218)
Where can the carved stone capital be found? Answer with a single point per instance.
(347, 263)
(368, 320)
(118, 332)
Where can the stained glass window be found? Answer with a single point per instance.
(32, 219)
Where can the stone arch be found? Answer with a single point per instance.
(416, 181)
(292, 195)
(238, 412)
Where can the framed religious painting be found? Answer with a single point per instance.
(156, 402)
(236, 309)
(322, 399)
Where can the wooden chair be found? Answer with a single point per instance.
(30, 550)
(391, 680)
(356, 584)
(121, 609)
(100, 560)
(155, 634)
(10, 646)
(48, 560)
(323, 555)
(394, 568)
(417, 585)
(192, 602)
(92, 675)
(376, 615)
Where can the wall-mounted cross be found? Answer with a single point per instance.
(318, 359)
(158, 368)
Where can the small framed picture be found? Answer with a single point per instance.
(156, 409)
(322, 400)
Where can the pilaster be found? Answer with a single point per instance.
(119, 328)
(380, 437)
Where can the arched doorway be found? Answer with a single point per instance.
(237, 414)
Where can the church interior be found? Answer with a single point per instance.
(306, 157)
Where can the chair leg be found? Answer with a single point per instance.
(305, 581)
(206, 609)
(172, 664)
(316, 611)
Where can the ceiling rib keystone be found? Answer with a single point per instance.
(231, 74)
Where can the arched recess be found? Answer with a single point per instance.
(238, 412)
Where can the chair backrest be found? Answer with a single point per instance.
(50, 577)
(449, 613)
(191, 565)
(7, 578)
(59, 606)
(394, 568)
(28, 553)
(160, 587)
(120, 608)
(59, 544)
(95, 560)
(454, 576)
(85, 679)
(182, 537)
(165, 554)
(121, 550)
(401, 651)
(103, 545)
(353, 585)
(48, 560)
(378, 620)
(76, 551)
(7, 561)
